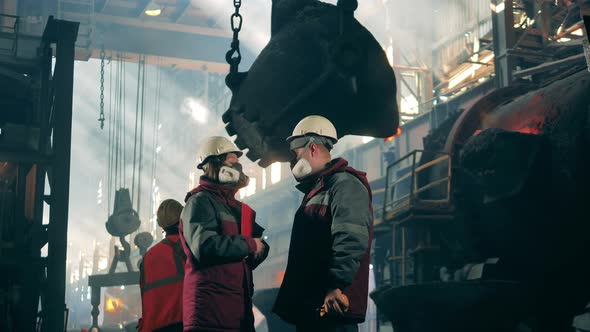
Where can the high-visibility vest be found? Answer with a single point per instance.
(161, 281)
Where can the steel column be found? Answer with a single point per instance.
(504, 39)
(63, 33)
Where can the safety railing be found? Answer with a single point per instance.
(9, 26)
(411, 184)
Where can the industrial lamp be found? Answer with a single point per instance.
(153, 9)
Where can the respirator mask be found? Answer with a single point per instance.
(302, 167)
(233, 175)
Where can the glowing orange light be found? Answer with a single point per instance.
(391, 138)
(280, 277)
(113, 304)
(524, 130)
(529, 130)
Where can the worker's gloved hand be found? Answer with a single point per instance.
(259, 254)
(335, 302)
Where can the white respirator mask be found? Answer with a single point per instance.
(302, 168)
(229, 175)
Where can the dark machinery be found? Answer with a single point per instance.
(320, 60)
(491, 233)
(35, 140)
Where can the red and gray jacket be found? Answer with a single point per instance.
(161, 280)
(217, 234)
(330, 246)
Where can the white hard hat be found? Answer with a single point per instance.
(315, 124)
(216, 146)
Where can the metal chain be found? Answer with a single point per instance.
(234, 56)
(101, 117)
(586, 45)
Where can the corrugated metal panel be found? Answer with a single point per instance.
(458, 24)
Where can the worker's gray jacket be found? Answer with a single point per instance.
(330, 246)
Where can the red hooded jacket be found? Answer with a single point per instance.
(217, 234)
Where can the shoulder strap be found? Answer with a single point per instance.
(179, 259)
(179, 255)
(141, 277)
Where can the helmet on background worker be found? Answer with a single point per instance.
(169, 213)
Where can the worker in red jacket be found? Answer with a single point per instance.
(223, 244)
(162, 275)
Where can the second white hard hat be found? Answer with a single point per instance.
(315, 124)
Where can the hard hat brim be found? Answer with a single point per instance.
(238, 153)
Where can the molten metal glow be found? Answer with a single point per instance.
(113, 304)
(524, 130)
(529, 130)
(391, 138)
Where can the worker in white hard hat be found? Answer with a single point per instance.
(325, 287)
(223, 244)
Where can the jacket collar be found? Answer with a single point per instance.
(316, 182)
(172, 237)
(223, 192)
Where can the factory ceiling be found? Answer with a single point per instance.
(181, 35)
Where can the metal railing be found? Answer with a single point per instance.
(407, 183)
(399, 261)
(9, 26)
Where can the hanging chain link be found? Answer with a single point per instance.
(234, 56)
(101, 117)
(586, 45)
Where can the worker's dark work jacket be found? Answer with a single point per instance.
(330, 246)
(217, 234)
(161, 280)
